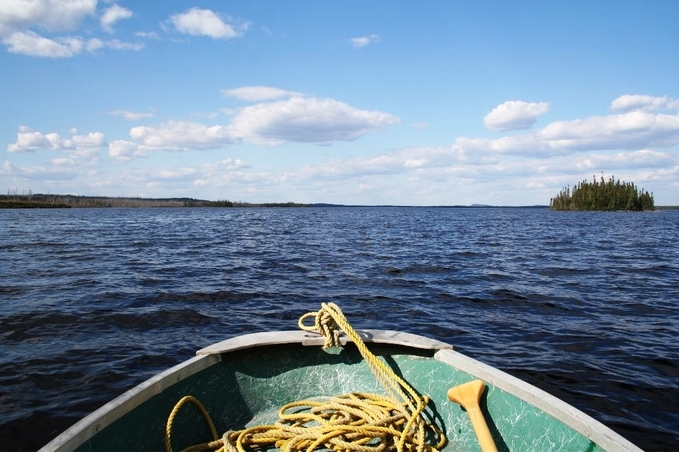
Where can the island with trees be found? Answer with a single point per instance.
(611, 195)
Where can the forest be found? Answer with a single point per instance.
(611, 195)
(27, 199)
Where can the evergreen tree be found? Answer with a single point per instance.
(609, 195)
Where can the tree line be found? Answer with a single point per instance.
(611, 195)
(27, 199)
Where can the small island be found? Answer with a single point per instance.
(611, 195)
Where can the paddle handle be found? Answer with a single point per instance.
(481, 428)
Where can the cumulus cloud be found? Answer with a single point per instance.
(17, 17)
(31, 43)
(29, 140)
(50, 15)
(259, 93)
(514, 115)
(121, 150)
(534, 164)
(205, 22)
(363, 41)
(78, 150)
(298, 119)
(645, 103)
(633, 130)
(91, 140)
(306, 120)
(112, 15)
(170, 136)
(182, 136)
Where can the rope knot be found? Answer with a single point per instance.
(324, 324)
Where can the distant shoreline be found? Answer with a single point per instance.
(42, 201)
(49, 201)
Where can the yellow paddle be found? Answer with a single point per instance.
(468, 396)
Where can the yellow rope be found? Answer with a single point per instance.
(184, 400)
(357, 422)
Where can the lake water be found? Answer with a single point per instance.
(583, 305)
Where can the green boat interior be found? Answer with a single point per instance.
(247, 387)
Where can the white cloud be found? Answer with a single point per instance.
(91, 140)
(17, 17)
(29, 140)
(32, 44)
(644, 158)
(131, 115)
(259, 93)
(112, 15)
(204, 22)
(399, 162)
(534, 164)
(298, 119)
(41, 174)
(306, 120)
(51, 15)
(562, 151)
(644, 103)
(633, 130)
(78, 157)
(445, 175)
(181, 136)
(182, 180)
(514, 115)
(363, 41)
(121, 150)
(79, 150)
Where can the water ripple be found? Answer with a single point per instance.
(583, 305)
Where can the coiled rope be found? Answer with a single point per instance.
(357, 422)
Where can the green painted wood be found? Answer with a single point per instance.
(249, 386)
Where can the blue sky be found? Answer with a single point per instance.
(353, 102)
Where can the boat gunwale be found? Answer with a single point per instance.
(576, 419)
(582, 423)
(313, 339)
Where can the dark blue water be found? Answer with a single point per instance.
(583, 305)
